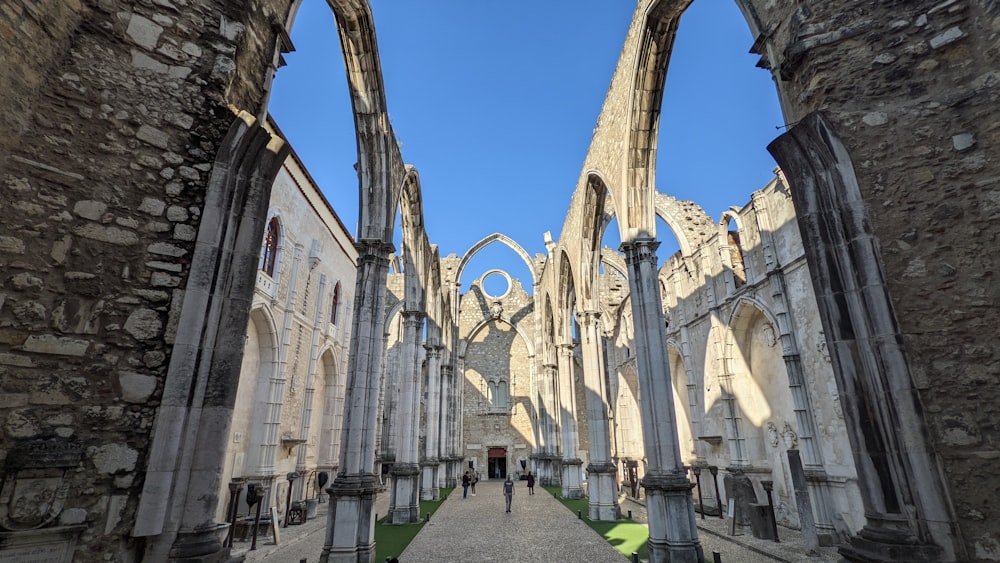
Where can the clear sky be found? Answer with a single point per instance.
(494, 103)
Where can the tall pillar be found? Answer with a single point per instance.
(444, 451)
(571, 462)
(350, 525)
(673, 535)
(601, 470)
(404, 504)
(548, 434)
(430, 462)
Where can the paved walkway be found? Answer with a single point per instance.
(539, 529)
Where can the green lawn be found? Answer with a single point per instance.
(624, 535)
(391, 540)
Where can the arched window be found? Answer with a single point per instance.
(501, 398)
(269, 255)
(335, 305)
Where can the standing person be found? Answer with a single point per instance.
(475, 479)
(465, 485)
(531, 484)
(508, 491)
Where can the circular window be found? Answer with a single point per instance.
(496, 283)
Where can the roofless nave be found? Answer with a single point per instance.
(137, 183)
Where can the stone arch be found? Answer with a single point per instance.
(332, 413)
(416, 248)
(380, 166)
(206, 360)
(685, 402)
(759, 384)
(736, 262)
(486, 241)
(870, 362)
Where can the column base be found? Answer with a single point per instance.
(887, 545)
(603, 493)
(429, 489)
(200, 546)
(673, 532)
(404, 508)
(572, 487)
(350, 524)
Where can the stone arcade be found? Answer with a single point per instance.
(137, 170)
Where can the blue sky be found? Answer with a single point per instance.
(495, 104)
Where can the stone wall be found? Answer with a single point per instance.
(112, 116)
(497, 352)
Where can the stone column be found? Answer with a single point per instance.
(430, 462)
(404, 505)
(350, 530)
(547, 434)
(571, 462)
(601, 470)
(673, 535)
(444, 450)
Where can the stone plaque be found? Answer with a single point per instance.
(51, 545)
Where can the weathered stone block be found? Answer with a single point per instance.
(136, 387)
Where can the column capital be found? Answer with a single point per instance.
(410, 318)
(434, 351)
(640, 250)
(566, 349)
(373, 249)
(588, 318)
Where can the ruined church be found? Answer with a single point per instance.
(184, 318)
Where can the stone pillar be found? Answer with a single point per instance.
(673, 535)
(404, 505)
(571, 462)
(546, 425)
(176, 511)
(350, 530)
(907, 506)
(601, 470)
(444, 451)
(430, 463)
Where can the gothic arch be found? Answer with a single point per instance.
(486, 241)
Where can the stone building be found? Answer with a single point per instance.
(289, 402)
(136, 170)
(751, 375)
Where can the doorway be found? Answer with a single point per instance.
(497, 463)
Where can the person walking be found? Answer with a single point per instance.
(465, 485)
(531, 484)
(475, 479)
(508, 491)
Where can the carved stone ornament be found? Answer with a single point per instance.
(772, 434)
(34, 487)
(496, 309)
(821, 347)
(767, 332)
(789, 436)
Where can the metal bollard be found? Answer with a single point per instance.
(629, 514)
(427, 516)
(579, 514)
(635, 557)
(716, 557)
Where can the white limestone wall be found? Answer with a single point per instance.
(291, 333)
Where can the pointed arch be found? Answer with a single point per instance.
(486, 241)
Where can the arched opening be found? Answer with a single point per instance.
(735, 93)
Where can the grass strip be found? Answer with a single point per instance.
(392, 539)
(625, 535)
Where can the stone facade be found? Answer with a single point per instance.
(499, 406)
(289, 403)
(136, 173)
(751, 375)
